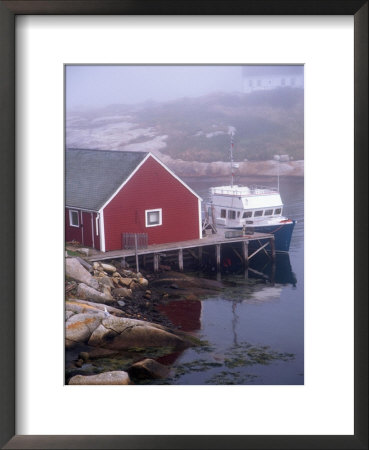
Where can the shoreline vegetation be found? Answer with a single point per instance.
(112, 316)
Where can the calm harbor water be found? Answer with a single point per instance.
(253, 330)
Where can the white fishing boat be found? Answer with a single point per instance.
(251, 209)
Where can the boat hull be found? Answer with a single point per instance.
(282, 235)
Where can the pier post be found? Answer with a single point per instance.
(156, 262)
(245, 251)
(136, 246)
(180, 259)
(272, 248)
(218, 256)
(200, 256)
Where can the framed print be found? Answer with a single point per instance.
(325, 409)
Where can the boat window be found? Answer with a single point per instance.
(238, 214)
(223, 213)
(231, 214)
(258, 213)
(268, 212)
(278, 211)
(249, 222)
(247, 214)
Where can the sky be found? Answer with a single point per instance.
(94, 86)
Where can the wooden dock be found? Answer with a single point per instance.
(195, 248)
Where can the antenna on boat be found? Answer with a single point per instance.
(277, 158)
(231, 150)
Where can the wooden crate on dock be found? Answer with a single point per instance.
(233, 234)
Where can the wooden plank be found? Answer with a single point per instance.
(237, 254)
(192, 253)
(258, 250)
(196, 243)
(263, 248)
(261, 274)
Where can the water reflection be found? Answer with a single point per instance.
(224, 321)
(279, 271)
(184, 314)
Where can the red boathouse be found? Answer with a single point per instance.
(109, 193)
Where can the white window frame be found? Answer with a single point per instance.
(70, 217)
(147, 211)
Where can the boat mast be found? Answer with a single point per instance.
(231, 150)
(278, 159)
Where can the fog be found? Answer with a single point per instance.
(94, 86)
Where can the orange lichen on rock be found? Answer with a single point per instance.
(74, 325)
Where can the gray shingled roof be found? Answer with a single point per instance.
(92, 176)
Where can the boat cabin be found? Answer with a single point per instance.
(235, 206)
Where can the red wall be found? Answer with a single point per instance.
(152, 187)
(87, 229)
(72, 233)
(82, 234)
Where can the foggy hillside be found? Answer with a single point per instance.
(197, 129)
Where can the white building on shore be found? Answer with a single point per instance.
(257, 77)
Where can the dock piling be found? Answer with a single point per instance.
(180, 259)
(156, 262)
(245, 250)
(218, 256)
(272, 247)
(136, 251)
(200, 256)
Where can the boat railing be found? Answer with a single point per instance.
(225, 191)
(257, 189)
(252, 190)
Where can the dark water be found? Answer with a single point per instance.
(253, 331)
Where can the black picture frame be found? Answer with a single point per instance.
(8, 12)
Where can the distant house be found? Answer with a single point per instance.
(109, 193)
(256, 78)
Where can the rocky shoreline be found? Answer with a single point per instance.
(113, 320)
